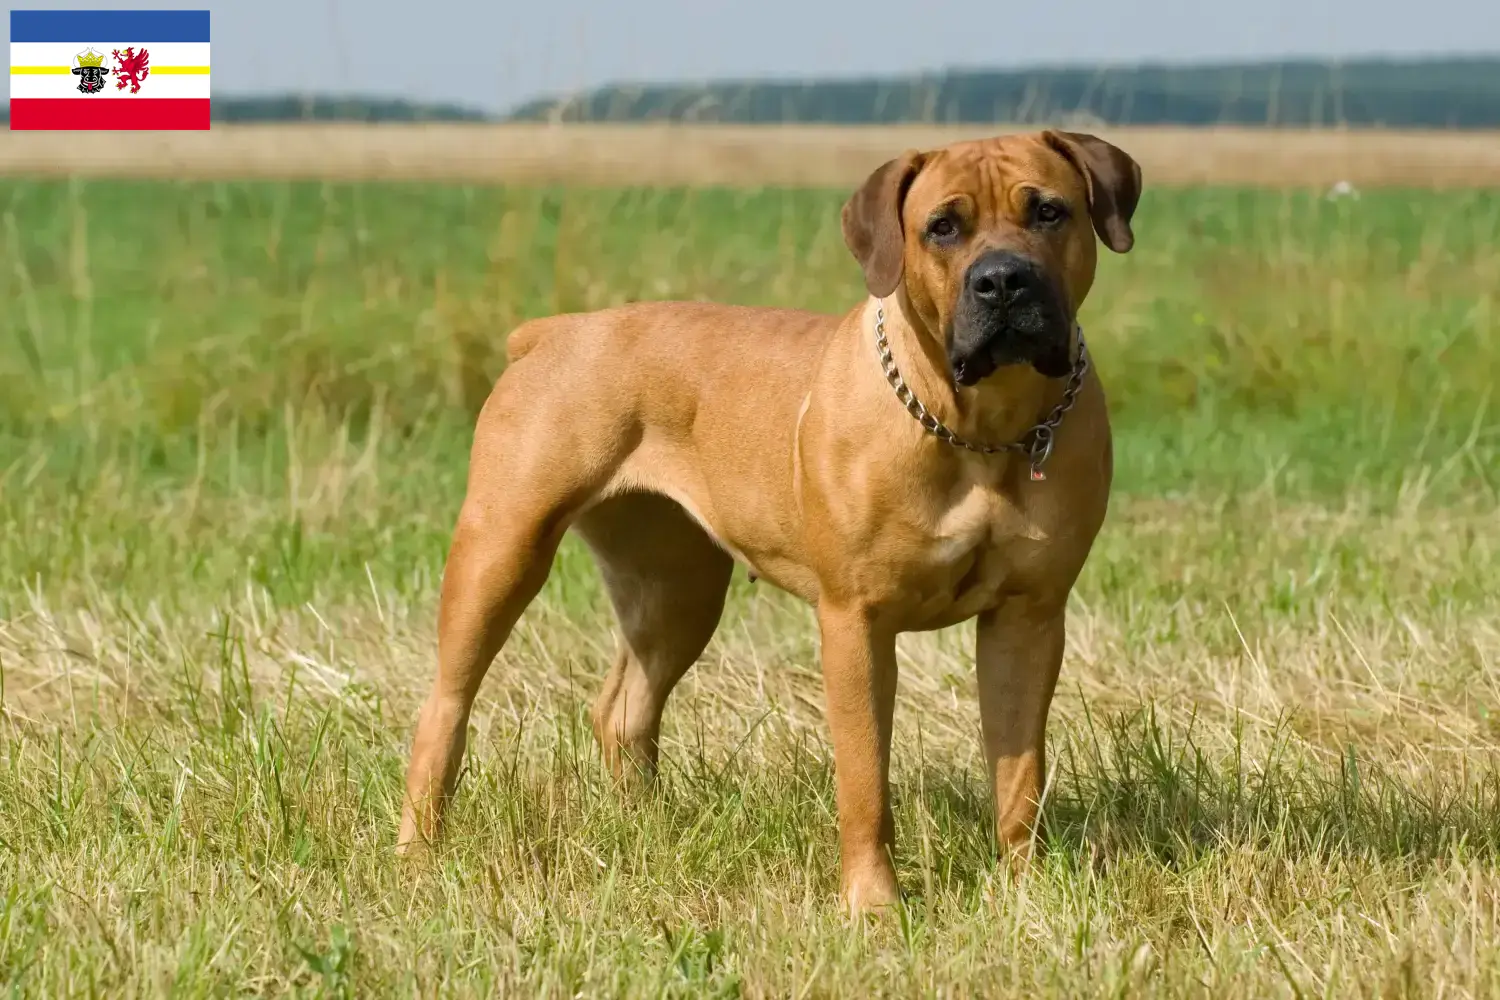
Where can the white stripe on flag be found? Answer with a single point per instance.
(24, 86)
(62, 53)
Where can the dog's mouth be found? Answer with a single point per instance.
(1027, 337)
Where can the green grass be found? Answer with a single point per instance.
(234, 423)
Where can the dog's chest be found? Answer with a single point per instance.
(968, 557)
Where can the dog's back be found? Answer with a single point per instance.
(672, 325)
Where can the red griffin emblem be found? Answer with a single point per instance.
(131, 67)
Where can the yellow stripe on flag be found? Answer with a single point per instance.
(65, 70)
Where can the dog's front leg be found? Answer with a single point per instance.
(859, 680)
(1018, 653)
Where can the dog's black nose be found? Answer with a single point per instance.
(1003, 278)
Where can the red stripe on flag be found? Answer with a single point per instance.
(75, 113)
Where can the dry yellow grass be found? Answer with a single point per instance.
(731, 155)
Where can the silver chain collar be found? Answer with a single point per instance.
(1036, 443)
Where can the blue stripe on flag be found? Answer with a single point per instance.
(108, 26)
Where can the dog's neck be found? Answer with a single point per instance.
(998, 410)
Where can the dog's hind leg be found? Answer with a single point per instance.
(492, 574)
(667, 580)
(528, 479)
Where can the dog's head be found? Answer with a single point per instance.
(991, 243)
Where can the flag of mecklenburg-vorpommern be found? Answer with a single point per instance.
(109, 69)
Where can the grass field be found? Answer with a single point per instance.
(234, 421)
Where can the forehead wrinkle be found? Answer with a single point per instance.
(1003, 177)
(987, 173)
(997, 186)
(1057, 177)
(947, 171)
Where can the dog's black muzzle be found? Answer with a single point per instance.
(1009, 312)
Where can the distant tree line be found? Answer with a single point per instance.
(1433, 93)
(290, 107)
(1429, 93)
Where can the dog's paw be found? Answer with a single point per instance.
(874, 891)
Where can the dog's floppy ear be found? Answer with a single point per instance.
(872, 222)
(1113, 179)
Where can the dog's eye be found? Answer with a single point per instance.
(942, 228)
(1049, 214)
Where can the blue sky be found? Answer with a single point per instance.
(493, 55)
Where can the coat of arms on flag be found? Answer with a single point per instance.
(94, 69)
(90, 69)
